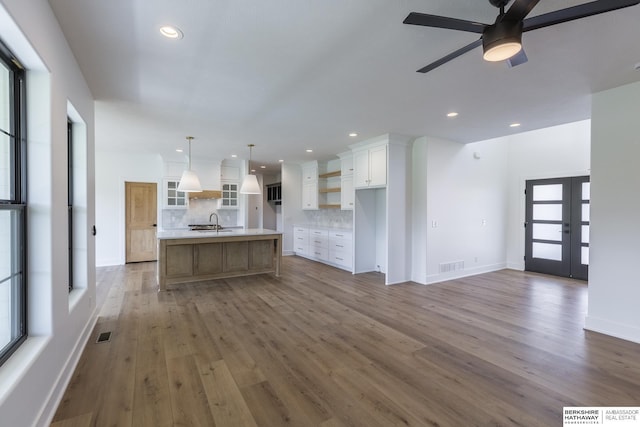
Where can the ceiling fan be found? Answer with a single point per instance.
(502, 40)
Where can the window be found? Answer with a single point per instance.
(13, 327)
(229, 195)
(70, 166)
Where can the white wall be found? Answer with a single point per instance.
(460, 208)
(291, 204)
(112, 170)
(615, 206)
(270, 211)
(35, 376)
(553, 152)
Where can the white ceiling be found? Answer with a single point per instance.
(288, 75)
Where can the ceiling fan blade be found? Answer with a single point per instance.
(415, 18)
(450, 56)
(519, 10)
(517, 59)
(575, 12)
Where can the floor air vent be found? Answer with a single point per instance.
(104, 337)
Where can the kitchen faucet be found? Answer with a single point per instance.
(217, 225)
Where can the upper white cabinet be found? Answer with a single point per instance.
(370, 167)
(310, 185)
(172, 198)
(310, 171)
(310, 195)
(347, 193)
(229, 173)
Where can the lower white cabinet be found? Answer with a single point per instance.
(301, 241)
(319, 244)
(341, 248)
(330, 246)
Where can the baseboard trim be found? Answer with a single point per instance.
(614, 329)
(438, 278)
(48, 411)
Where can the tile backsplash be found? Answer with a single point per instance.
(329, 218)
(198, 213)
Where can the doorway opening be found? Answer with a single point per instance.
(557, 226)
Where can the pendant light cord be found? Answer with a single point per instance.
(250, 151)
(189, 138)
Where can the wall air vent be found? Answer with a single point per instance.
(448, 267)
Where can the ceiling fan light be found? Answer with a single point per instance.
(502, 51)
(502, 40)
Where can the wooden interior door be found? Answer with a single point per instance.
(141, 216)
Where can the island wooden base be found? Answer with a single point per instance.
(191, 260)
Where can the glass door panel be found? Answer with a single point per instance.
(557, 226)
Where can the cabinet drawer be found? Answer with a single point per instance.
(341, 258)
(341, 235)
(301, 249)
(340, 245)
(319, 253)
(318, 232)
(319, 238)
(300, 239)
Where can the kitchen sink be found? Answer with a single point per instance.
(204, 227)
(211, 230)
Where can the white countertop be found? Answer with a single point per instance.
(323, 227)
(226, 232)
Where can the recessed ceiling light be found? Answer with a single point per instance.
(353, 134)
(234, 155)
(452, 114)
(179, 150)
(171, 32)
(309, 150)
(281, 160)
(263, 167)
(253, 170)
(514, 125)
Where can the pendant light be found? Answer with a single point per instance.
(250, 182)
(189, 183)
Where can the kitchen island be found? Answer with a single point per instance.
(190, 256)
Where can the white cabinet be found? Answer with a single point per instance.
(330, 246)
(301, 241)
(229, 173)
(171, 197)
(341, 248)
(347, 194)
(310, 186)
(370, 167)
(319, 244)
(310, 195)
(310, 171)
(229, 198)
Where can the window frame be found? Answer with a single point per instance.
(17, 201)
(70, 183)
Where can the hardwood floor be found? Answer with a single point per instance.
(320, 347)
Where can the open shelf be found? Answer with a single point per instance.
(329, 190)
(330, 174)
(330, 206)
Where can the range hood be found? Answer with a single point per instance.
(206, 194)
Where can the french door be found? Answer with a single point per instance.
(557, 226)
